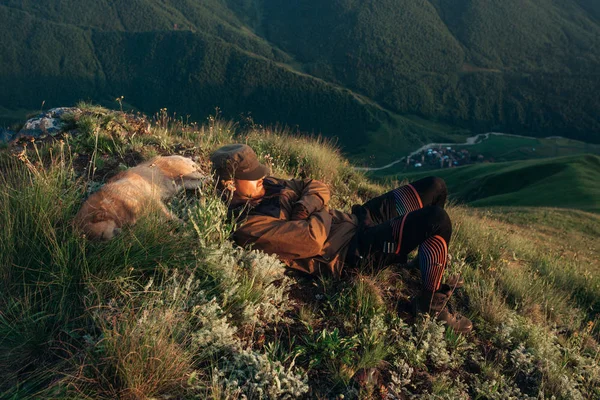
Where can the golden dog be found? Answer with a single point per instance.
(135, 191)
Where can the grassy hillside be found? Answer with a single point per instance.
(350, 69)
(511, 148)
(567, 182)
(168, 311)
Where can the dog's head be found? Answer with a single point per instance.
(102, 230)
(97, 224)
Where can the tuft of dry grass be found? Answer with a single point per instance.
(294, 156)
(144, 351)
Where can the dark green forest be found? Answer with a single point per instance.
(341, 68)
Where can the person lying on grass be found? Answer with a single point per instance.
(291, 218)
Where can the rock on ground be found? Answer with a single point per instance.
(48, 123)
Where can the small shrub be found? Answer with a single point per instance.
(251, 284)
(498, 388)
(213, 333)
(422, 344)
(254, 375)
(400, 378)
(447, 387)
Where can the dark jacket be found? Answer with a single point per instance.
(316, 245)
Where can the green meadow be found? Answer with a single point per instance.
(513, 148)
(566, 182)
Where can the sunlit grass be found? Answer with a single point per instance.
(169, 310)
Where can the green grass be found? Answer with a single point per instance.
(565, 182)
(519, 270)
(178, 311)
(510, 148)
(550, 220)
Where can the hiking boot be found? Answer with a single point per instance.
(435, 303)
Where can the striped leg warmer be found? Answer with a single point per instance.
(406, 199)
(433, 254)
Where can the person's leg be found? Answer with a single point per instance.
(432, 191)
(428, 228)
(403, 200)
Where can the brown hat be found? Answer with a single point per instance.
(237, 161)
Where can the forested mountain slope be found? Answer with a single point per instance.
(341, 67)
(511, 65)
(194, 71)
